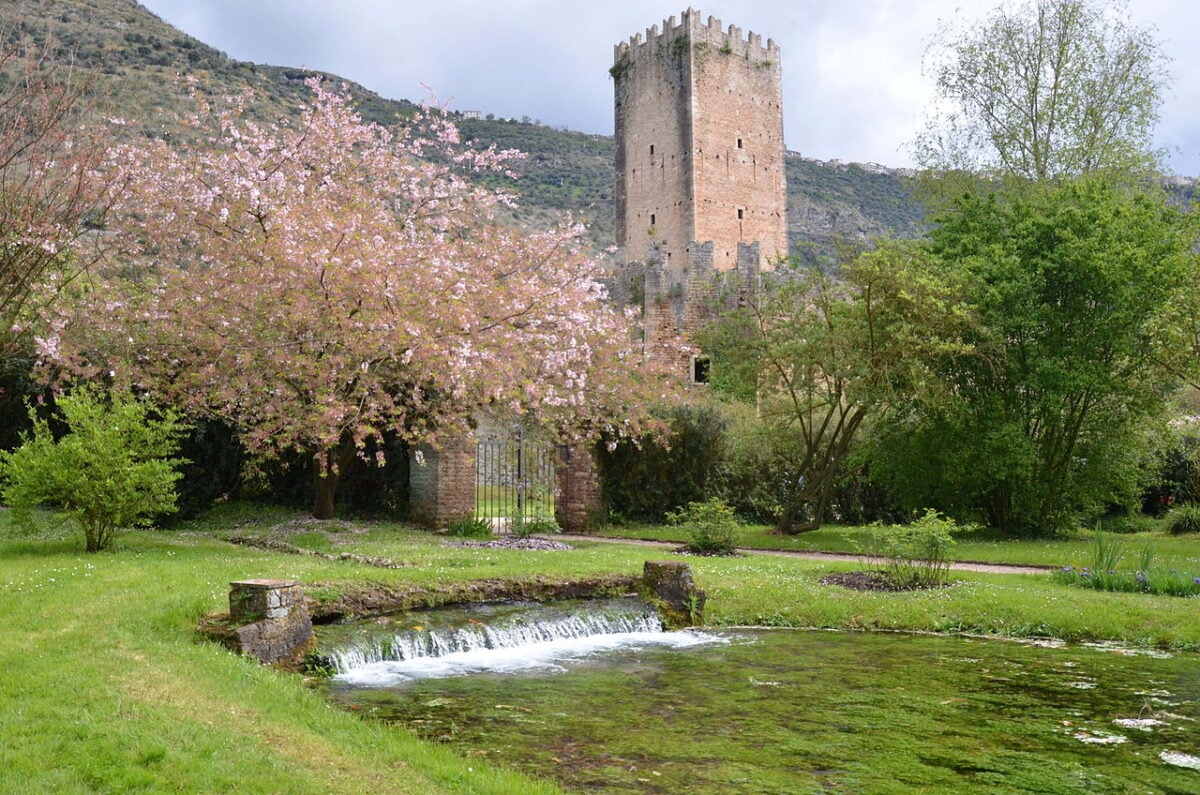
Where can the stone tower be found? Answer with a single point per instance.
(699, 134)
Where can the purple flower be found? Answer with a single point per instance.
(1085, 573)
(1196, 580)
(1068, 568)
(1141, 578)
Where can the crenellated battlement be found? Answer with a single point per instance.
(710, 33)
(699, 157)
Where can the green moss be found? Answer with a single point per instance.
(808, 712)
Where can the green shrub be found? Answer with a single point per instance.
(711, 525)
(113, 468)
(915, 555)
(1131, 523)
(646, 480)
(755, 467)
(470, 527)
(212, 473)
(533, 526)
(366, 488)
(1183, 519)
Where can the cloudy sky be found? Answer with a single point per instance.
(853, 87)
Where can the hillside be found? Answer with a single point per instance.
(136, 58)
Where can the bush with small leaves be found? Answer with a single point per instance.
(113, 468)
(712, 527)
(915, 555)
(1132, 523)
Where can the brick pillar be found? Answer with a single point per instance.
(580, 497)
(441, 481)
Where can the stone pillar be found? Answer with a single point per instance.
(441, 481)
(669, 586)
(580, 498)
(270, 618)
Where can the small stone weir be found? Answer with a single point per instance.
(481, 628)
(270, 619)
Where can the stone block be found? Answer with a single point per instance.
(271, 621)
(669, 585)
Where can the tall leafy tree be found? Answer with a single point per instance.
(821, 357)
(1051, 416)
(319, 285)
(1042, 89)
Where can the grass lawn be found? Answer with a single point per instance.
(1182, 552)
(106, 687)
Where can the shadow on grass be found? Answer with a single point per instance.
(40, 547)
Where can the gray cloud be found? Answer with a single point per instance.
(853, 87)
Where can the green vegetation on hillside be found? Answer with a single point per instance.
(829, 206)
(136, 60)
(562, 172)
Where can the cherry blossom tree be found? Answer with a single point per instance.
(318, 285)
(46, 187)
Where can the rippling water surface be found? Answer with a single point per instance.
(769, 711)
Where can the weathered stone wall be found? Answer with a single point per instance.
(700, 151)
(654, 144)
(678, 303)
(739, 181)
(269, 620)
(442, 481)
(700, 173)
(580, 496)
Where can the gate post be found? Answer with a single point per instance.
(580, 496)
(441, 481)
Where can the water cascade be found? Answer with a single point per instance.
(492, 638)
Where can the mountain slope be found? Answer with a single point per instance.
(136, 60)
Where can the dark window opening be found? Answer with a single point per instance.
(651, 148)
(741, 214)
(739, 143)
(651, 219)
(700, 368)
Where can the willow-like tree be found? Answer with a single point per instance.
(1044, 89)
(321, 284)
(822, 357)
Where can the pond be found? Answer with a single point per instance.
(771, 711)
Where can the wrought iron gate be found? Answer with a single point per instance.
(514, 480)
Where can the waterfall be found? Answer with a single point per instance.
(496, 639)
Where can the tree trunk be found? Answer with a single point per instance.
(327, 473)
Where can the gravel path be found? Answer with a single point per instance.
(958, 565)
